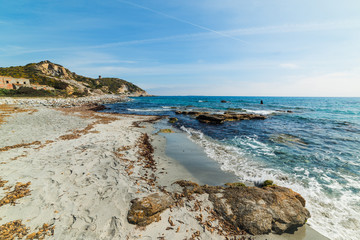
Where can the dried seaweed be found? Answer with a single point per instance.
(16, 229)
(21, 190)
(7, 148)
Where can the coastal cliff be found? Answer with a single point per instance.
(63, 82)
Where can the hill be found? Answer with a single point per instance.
(67, 83)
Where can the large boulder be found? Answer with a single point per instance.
(260, 210)
(147, 210)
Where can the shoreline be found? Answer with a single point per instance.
(86, 160)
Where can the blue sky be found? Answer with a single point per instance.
(202, 47)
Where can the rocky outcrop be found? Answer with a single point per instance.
(147, 210)
(50, 76)
(256, 210)
(206, 117)
(260, 210)
(51, 69)
(221, 118)
(191, 113)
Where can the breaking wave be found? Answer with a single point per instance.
(335, 211)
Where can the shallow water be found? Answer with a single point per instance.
(313, 149)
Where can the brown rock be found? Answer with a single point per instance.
(220, 118)
(260, 210)
(211, 118)
(253, 209)
(147, 210)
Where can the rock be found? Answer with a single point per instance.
(287, 139)
(253, 209)
(260, 210)
(147, 210)
(234, 185)
(98, 108)
(210, 118)
(166, 131)
(194, 113)
(173, 120)
(224, 101)
(267, 183)
(189, 187)
(220, 118)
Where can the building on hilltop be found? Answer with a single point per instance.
(16, 83)
(13, 83)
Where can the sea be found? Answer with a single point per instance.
(311, 145)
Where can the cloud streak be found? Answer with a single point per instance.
(220, 33)
(186, 37)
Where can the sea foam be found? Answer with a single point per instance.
(336, 216)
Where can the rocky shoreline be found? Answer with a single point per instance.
(211, 118)
(104, 176)
(64, 102)
(237, 209)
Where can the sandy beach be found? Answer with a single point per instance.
(72, 173)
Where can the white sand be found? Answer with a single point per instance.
(80, 185)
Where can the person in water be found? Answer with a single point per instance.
(261, 102)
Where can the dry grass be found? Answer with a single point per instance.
(6, 110)
(86, 113)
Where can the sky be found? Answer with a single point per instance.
(202, 47)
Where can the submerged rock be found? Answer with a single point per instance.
(173, 120)
(147, 210)
(166, 131)
(288, 139)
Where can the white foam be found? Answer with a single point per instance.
(261, 112)
(147, 110)
(336, 216)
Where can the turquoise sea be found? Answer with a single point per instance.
(311, 145)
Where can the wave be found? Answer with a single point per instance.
(262, 112)
(147, 110)
(335, 211)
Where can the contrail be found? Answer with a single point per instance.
(183, 21)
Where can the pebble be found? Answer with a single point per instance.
(65, 102)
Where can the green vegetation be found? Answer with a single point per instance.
(28, 92)
(29, 71)
(268, 183)
(36, 76)
(115, 83)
